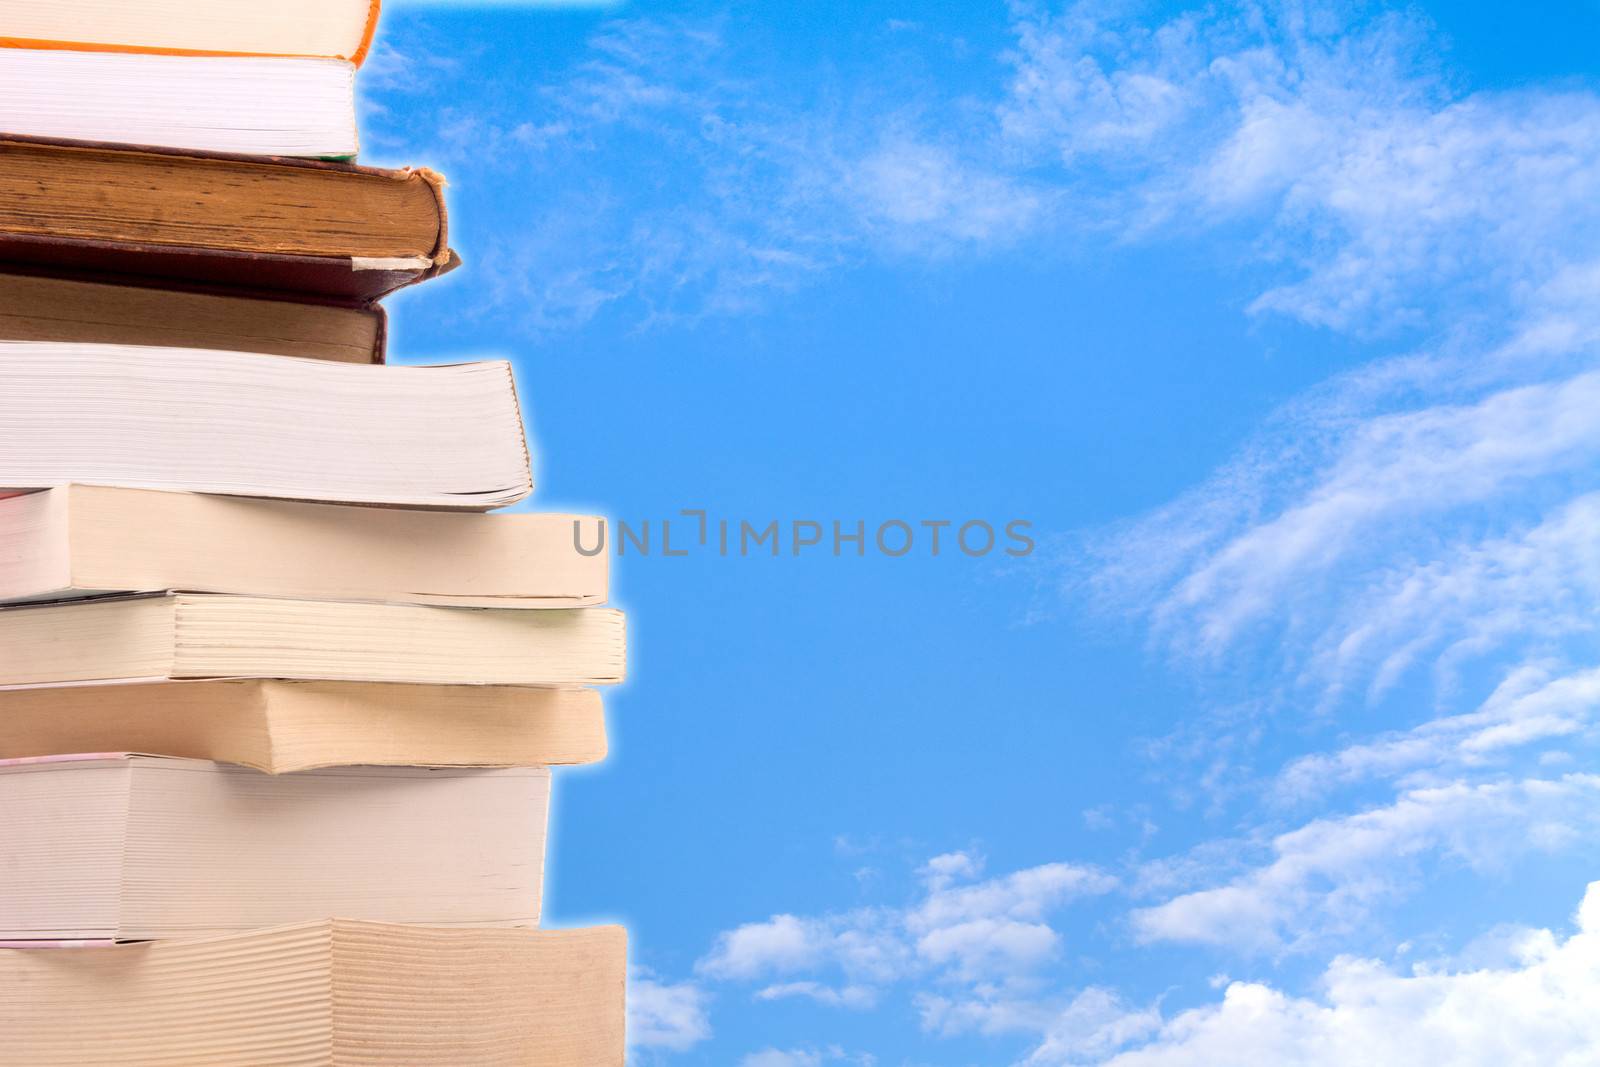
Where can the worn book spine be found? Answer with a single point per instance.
(357, 280)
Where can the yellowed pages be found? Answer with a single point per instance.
(282, 726)
(88, 539)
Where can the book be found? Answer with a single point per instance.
(282, 726)
(271, 106)
(337, 29)
(84, 540)
(354, 994)
(246, 424)
(40, 308)
(199, 636)
(335, 230)
(119, 847)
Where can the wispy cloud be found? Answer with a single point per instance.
(1325, 132)
(1327, 144)
(1384, 478)
(1325, 877)
(1531, 707)
(806, 1057)
(751, 191)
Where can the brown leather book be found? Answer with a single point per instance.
(332, 230)
(39, 308)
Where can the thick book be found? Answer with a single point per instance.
(337, 29)
(281, 726)
(258, 105)
(245, 424)
(114, 847)
(335, 230)
(41, 308)
(351, 994)
(198, 636)
(84, 540)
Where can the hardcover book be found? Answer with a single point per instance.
(333, 230)
(39, 308)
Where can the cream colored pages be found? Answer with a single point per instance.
(205, 848)
(94, 640)
(246, 424)
(61, 842)
(82, 540)
(279, 726)
(262, 106)
(325, 994)
(255, 637)
(264, 27)
(200, 636)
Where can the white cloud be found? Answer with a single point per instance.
(917, 193)
(1068, 100)
(1330, 133)
(1535, 1010)
(779, 1058)
(805, 1057)
(1095, 1023)
(1525, 591)
(663, 1015)
(1529, 707)
(1390, 471)
(866, 944)
(948, 867)
(1326, 876)
(963, 930)
(851, 996)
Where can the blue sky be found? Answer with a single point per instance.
(1278, 324)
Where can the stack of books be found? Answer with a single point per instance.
(278, 701)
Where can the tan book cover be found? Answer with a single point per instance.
(323, 994)
(121, 847)
(281, 726)
(85, 540)
(38, 308)
(200, 636)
